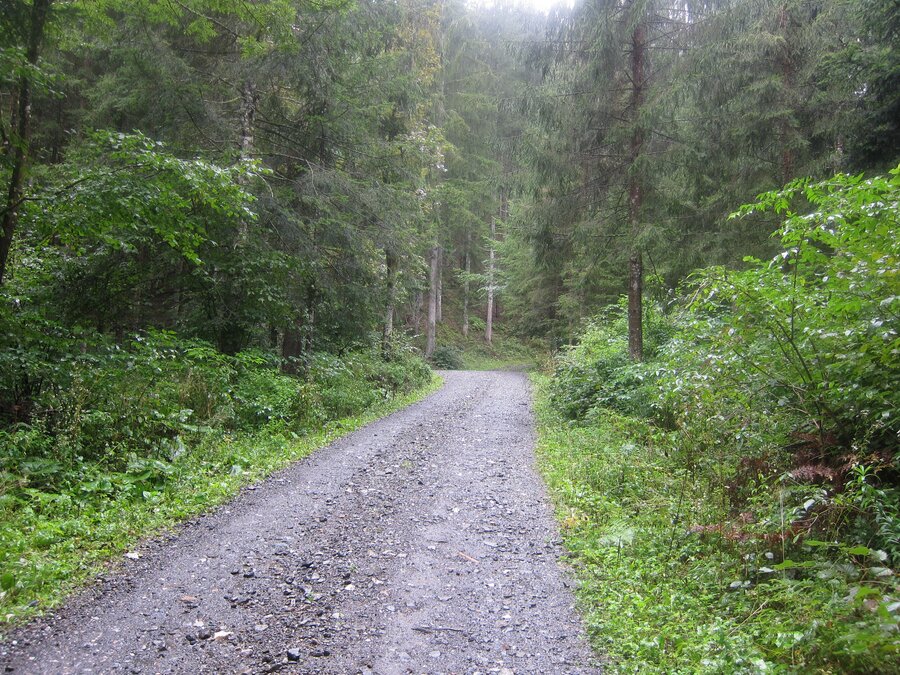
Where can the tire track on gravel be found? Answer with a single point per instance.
(423, 543)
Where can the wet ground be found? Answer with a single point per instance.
(423, 543)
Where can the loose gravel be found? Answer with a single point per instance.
(423, 543)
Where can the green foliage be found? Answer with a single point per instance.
(123, 189)
(447, 358)
(736, 493)
(262, 396)
(359, 380)
(674, 580)
(814, 331)
(80, 397)
(597, 371)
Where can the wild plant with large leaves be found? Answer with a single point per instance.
(772, 461)
(127, 190)
(811, 336)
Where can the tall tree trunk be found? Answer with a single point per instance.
(635, 306)
(786, 63)
(439, 293)
(309, 336)
(249, 106)
(417, 312)
(468, 267)
(390, 261)
(492, 267)
(489, 319)
(40, 9)
(431, 327)
(291, 348)
(498, 234)
(299, 336)
(635, 198)
(176, 298)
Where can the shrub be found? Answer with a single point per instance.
(401, 369)
(447, 358)
(71, 399)
(265, 396)
(768, 506)
(808, 340)
(597, 371)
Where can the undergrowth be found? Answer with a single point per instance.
(731, 503)
(662, 595)
(103, 443)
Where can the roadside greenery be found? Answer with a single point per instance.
(108, 442)
(506, 351)
(222, 224)
(731, 503)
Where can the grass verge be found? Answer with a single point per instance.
(53, 548)
(662, 594)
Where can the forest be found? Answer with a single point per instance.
(235, 229)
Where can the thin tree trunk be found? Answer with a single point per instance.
(492, 305)
(635, 199)
(787, 78)
(291, 348)
(6, 142)
(249, 106)
(390, 261)
(431, 327)
(635, 306)
(468, 266)
(489, 319)
(417, 313)
(504, 216)
(310, 333)
(299, 337)
(439, 293)
(837, 157)
(58, 134)
(40, 9)
(178, 293)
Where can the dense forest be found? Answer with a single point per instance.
(233, 226)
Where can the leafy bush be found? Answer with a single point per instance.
(401, 369)
(796, 358)
(675, 579)
(597, 372)
(808, 340)
(360, 379)
(447, 358)
(264, 396)
(68, 399)
(763, 502)
(477, 324)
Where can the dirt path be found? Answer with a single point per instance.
(423, 543)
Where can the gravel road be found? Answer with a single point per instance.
(423, 543)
